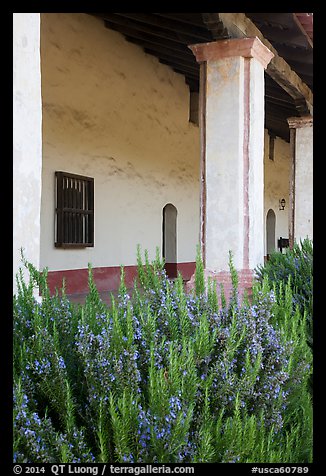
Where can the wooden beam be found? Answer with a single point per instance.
(159, 48)
(300, 67)
(276, 131)
(111, 18)
(216, 27)
(192, 83)
(240, 26)
(276, 19)
(186, 74)
(281, 131)
(280, 120)
(181, 68)
(282, 127)
(307, 79)
(200, 33)
(286, 107)
(279, 102)
(302, 29)
(274, 90)
(142, 37)
(170, 60)
(294, 53)
(277, 92)
(188, 18)
(279, 111)
(290, 37)
(274, 94)
(180, 62)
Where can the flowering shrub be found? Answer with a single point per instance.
(291, 322)
(35, 438)
(294, 266)
(157, 376)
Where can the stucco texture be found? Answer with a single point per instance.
(276, 186)
(304, 184)
(27, 138)
(114, 113)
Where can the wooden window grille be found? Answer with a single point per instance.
(74, 224)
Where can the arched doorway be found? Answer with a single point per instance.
(169, 239)
(270, 231)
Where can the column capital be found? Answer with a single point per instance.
(298, 122)
(246, 47)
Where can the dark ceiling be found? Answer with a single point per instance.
(284, 33)
(167, 36)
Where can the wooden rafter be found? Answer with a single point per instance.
(167, 36)
(157, 49)
(239, 26)
(191, 65)
(168, 24)
(143, 37)
(304, 26)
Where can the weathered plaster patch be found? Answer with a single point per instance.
(56, 45)
(75, 51)
(70, 114)
(121, 74)
(63, 70)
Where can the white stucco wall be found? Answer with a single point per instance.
(303, 217)
(276, 186)
(224, 167)
(256, 163)
(226, 173)
(27, 138)
(114, 113)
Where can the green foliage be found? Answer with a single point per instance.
(160, 375)
(294, 266)
(199, 274)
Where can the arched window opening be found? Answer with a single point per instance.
(169, 239)
(270, 232)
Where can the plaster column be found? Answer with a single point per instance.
(27, 139)
(232, 152)
(301, 180)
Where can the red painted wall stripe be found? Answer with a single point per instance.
(106, 278)
(246, 135)
(203, 185)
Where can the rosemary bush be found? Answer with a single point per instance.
(295, 265)
(159, 375)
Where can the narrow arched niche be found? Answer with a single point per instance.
(270, 231)
(169, 239)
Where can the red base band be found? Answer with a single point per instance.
(108, 278)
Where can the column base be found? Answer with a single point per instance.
(245, 281)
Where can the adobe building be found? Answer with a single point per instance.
(164, 130)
